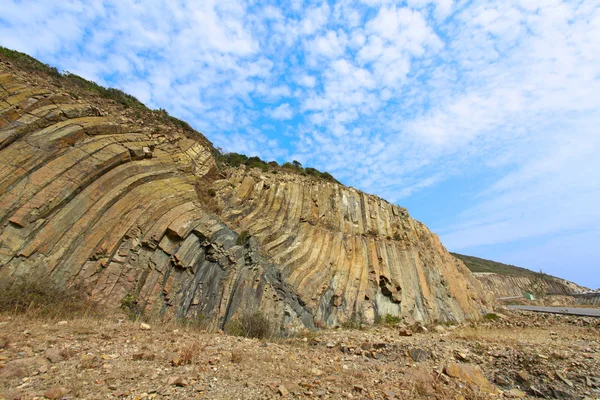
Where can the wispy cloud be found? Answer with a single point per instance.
(411, 101)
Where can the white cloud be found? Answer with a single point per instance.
(282, 112)
(307, 81)
(414, 94)
(332, 44)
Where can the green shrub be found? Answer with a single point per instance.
(27, 62)
(491, 317)
(253, 325)
(391, 319)
(356, 322)
(200, 321)
(235, 160)
(31, 64)
(132, 307)
(117, 95)
(243, 238)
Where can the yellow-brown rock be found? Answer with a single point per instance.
(90, 197)
(472, 375)
(509, 286)
(347, 254)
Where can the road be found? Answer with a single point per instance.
(585, 312)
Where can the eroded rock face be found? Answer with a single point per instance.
(87, 197)
(347, 254)
(507, 286)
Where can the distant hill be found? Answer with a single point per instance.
(476, 264)
(511, 280)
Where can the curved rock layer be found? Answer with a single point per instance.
(347, 254)
(88, 197)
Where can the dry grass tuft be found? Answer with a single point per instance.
(206, 193)
(66, 353)
(253, 325)
(237, 356)
(39, 299)
(190, 354)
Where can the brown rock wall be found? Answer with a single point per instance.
(90, 197)
(508, 286)
(87, 197)
(349, 255)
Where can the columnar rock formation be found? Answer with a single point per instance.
(508, 286)
(90, 197)
(346, 253)
(592, 299)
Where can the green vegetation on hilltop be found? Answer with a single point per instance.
(476, 264)
(236, 159)
(30, 64)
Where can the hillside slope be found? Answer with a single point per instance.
(476, 264)
(97, 191)
(509, 280)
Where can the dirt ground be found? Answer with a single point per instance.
(517, 355)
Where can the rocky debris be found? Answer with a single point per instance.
(419, 355)
(524, 376)
(461, 355)
(177, 381)
(118, 359)
(470, 374)
(145, 327)
(563, 378)
(23, 367)
(55, 392)
(404, 332)
(360, 389)
(282, 390)
(515, 394)
(55, 355)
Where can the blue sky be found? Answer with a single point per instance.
(481, 117)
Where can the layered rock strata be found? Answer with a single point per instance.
(89, 197)
(347, 254)
(592, 299)
(508, 286)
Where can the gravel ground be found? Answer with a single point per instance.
(517, 355)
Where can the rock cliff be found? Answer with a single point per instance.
(506, 285)
(92, 196)
(504, 280)
(347, 253)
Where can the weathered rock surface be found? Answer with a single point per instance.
(506, 285)
(89, 197)
(346, 253)
(592, 299)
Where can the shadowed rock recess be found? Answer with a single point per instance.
(89, 197)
